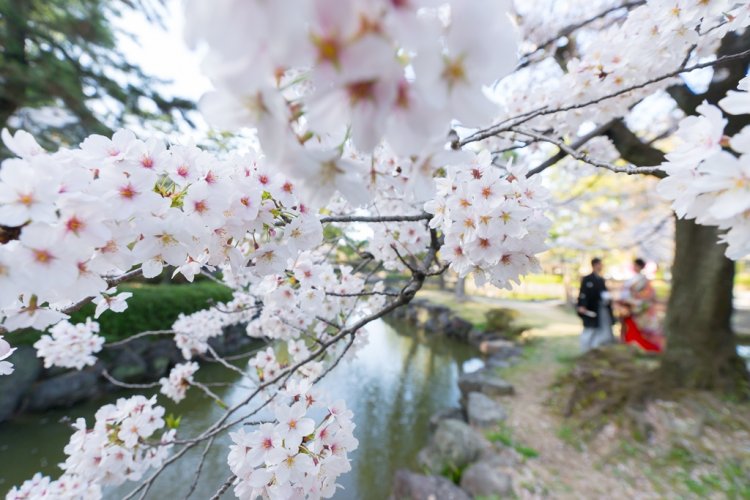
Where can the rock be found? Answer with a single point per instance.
(484, 381)
(13, 387)
(128, 366)
(160, 366)
(500, 457)
(454, 445)
(445, 413)
(410, 486)
(482, 480)
(483, 411)
(135, 372)
(458, 328)
(233, 339)
(493, 362)
(163, 348)
(500, 348)
(63, 390)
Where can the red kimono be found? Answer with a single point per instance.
(640, 325)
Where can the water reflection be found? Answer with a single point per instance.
(397, 381)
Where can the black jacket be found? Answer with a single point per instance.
(590, 298)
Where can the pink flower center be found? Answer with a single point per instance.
(128, 192)
(42, 256)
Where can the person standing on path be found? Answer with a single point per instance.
(594, 309)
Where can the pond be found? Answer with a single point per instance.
(398, 380)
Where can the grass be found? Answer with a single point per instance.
(152, 307)
(729, 480)
(453, 473)
(504, 436)
(569, 436)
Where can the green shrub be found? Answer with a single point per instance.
(152, 307)
(501, 321)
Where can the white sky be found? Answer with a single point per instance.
(163, 53)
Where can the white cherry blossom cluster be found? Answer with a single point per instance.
(180, 378)
(266, 365)
(709, 173)
(407, 238)
(300, 454)
(98, 210)
(309, 299)
(6, 367)
(193, 331)
(647, 42)
(492, 220)
(364, 70)
(68, 487)
(69, 345)
(123, 445)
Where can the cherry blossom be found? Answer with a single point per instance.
(6, 367)
(115, 303)
(298, 455)
(491, 220)
(180, 378)
(354, 105)
(69, 345)
(708, 183)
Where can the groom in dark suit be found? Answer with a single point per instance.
(594, 309)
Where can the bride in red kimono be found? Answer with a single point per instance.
(640, 323)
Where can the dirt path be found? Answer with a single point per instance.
(569, 468)
(563, 469)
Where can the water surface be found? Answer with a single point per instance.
(398, 380)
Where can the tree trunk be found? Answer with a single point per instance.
(701, 350)
(460, 289)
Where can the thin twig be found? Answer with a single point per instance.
(138, 336)
(224, 487)
(568, 30)
(510, 123)
(375, 218)
(198, 471)
(125, 385)
(629, 169)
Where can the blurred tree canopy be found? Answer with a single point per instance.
(62, 75)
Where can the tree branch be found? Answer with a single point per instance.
(510, 123)
(376, 218)
(578, 155)
(568, 30)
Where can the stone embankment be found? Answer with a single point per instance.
(459, 462)
(32, 388)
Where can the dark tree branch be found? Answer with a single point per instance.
(633, 149)
(376, 218)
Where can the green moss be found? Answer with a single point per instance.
(453, 473)
(504, 436)
(152, 307)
